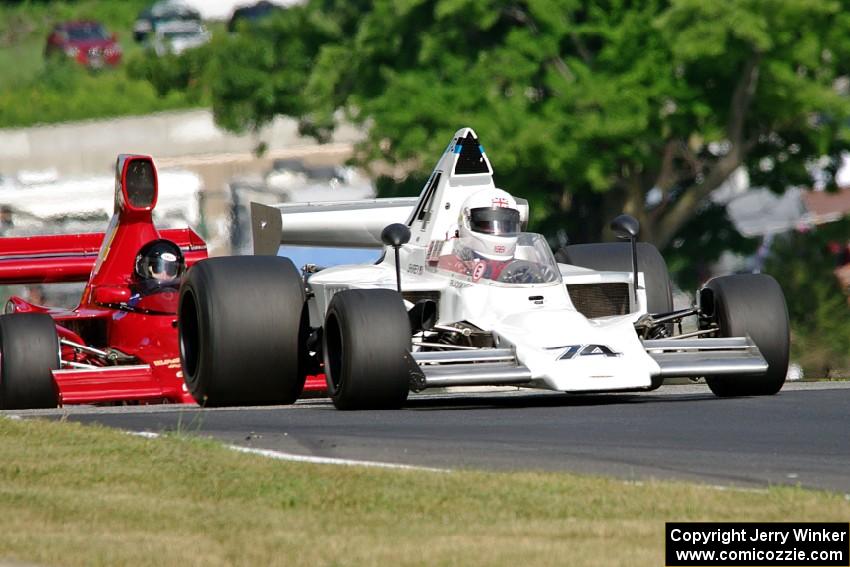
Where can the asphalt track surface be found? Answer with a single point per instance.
(800, 436)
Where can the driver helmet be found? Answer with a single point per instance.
(489, 224)
(160, 261)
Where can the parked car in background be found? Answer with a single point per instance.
(87, 42)
(166, 11)
(179, 35)
(297, 181)
(251, 14)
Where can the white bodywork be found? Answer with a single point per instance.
(540, 331)
(540, 338)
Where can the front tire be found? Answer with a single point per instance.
(242, 325)
(366, 339)
(752, 305)
(29, 350)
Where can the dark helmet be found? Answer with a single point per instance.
(161, 261)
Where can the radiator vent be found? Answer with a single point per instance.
(600, 300)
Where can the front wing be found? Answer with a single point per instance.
(133, 383)
(690, 358)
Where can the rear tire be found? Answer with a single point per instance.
(617, 257)
(242, 325)
(29, 350)
(365, 341)
(752, 305)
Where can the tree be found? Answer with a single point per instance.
(585, 107)
(805, 265)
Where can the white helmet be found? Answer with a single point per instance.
(489, 224)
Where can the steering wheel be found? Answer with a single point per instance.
(523, 272)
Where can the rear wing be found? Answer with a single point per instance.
(65, 258)
(336, 224)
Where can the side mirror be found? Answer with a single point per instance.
(395, 235)
(625, 227)
(109, 295)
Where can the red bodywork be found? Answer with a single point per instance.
(140, 333)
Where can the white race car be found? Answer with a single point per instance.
(462, 296)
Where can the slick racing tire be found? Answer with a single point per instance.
(29, 350)
(242, 326)
(752, 305)
(366, 341)
(617, 257)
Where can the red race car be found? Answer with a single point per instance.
(120, 343)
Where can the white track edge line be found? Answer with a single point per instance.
(282, 456)
(330, 460)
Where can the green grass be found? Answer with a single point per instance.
(64, 93)
(20, 63)
(75, 495)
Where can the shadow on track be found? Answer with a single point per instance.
(513, 400)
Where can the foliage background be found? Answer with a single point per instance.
(35, 91)
(587, 108)
(803, 263)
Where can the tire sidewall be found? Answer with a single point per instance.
(752, 305)
(367, 369)
(29, 351)
(250, 337)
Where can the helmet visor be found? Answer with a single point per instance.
(500, 221)
(165, 267)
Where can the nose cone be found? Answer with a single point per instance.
(545, 328)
